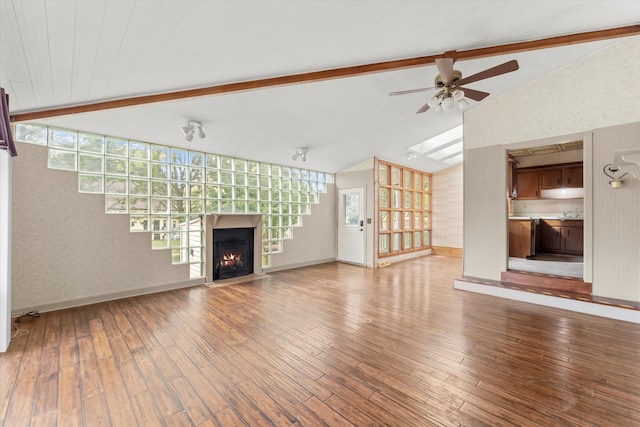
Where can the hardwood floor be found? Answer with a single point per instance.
(332, 345)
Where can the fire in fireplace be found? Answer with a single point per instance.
(232, 252)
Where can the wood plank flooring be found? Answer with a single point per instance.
(327, 345)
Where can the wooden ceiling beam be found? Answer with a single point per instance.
(335, 73)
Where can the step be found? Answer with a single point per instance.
(547, 281)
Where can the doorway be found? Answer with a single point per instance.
(351, 235)
(546, 209)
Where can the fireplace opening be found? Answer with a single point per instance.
(232, 252)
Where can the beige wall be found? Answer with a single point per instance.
(67, 251)
(447, 204)
(531, 116)
(315, 241)
(574, 99)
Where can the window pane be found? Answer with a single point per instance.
(115, 166)
(116, 185)
(417, 182)
(116, 204)
(396, 220)
(138, 168)
(90, 183)
(408, 196)
(426, 238)
(397, 242)
(417, 239)
(408, 241)
(160, 153)
(383, 174)
(395, 177)
(59, 159)
(60, 138)
(160, 188)
(407, 221)
(159, 171)
(417, 200)
(116, 147)
(397, 199)
(426, 183)
(351, 208)
(139, 150)
(32, 134)
(90, 163)
(383, 246)
(90, 143)
(407, 179)
(384, 220)
(384, 198)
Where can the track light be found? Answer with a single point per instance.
(301, 153)
(189, 130)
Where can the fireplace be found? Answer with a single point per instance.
(249, 263)
(232, 252)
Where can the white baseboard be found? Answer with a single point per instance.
(107, 297)
(594, 309)
(297, 265)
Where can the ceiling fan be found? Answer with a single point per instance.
(450, 82)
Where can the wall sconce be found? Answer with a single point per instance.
(189, 129)
(616, 181)
(301, 153)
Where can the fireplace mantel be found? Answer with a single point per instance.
(221, 221)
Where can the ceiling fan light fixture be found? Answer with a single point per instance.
(433, 102)
(448, 103)
(439, 109)
(458, 95)
(462, 103)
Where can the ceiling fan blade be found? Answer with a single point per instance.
(507, 67)
(424, 108)
(476, 95)
(445, 67)
(404, 92)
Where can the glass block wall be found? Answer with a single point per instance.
(166, 191)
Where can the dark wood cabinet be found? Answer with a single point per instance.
(572, 177)
(562, 237)
(519, 238)
(528, 184)
(531, 181)
(551, 178)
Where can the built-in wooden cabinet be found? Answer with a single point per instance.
(573, 176)
(531, 181)
(562, 237)
(528, 184)
(519, 238)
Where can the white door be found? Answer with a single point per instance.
(351, 234)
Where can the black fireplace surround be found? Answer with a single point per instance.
(232, 252)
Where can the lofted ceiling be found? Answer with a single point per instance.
(59, 53)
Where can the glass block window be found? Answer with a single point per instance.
(166, 191)
(404, 208)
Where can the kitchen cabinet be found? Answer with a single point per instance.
(551, 178)
(562, 237)
(519, 238)
(565, 177)
(528, 184)
(572, 177)
(531, 181)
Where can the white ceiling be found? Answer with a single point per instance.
(56, 53)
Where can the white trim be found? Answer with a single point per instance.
(5, 250)
(594, 309)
